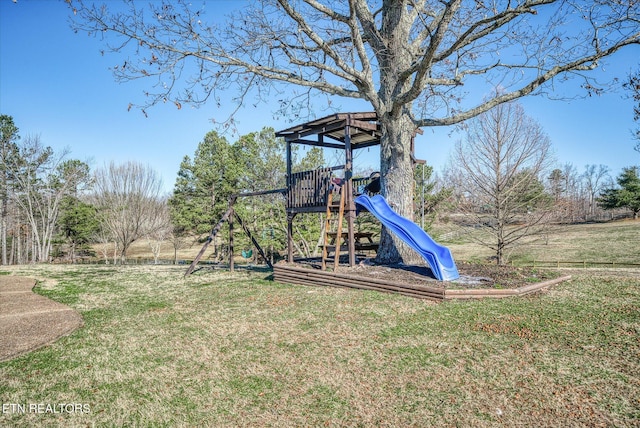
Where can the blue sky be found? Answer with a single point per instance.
(56, 85)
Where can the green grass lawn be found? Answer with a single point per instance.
(222, 349)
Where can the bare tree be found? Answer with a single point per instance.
(178, 242)
(159, 228)
(575, 194)
(106, 244)
(496, 170)
(42, 179)
(127, 198)
(595, 178)
(569, 206)
(419, 63)
(633, 85)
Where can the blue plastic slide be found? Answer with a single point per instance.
(438, 257)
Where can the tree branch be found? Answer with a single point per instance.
(582, 64)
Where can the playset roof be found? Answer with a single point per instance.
(364, 131)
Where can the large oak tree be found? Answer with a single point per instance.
(418, 63)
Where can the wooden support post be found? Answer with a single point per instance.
(289, 166)
(287, 206)
(350, 205)
(211, 236)
(290, 237)
(289, 160)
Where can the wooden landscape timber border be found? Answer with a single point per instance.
(575, 264)
(308, 276)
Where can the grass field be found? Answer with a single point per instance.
(221, 349)
(594, 242)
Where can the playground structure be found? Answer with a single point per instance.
(320, 191)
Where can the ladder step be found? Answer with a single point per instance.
(335, 204)
(332, 248)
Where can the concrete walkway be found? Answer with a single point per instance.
(29, 321)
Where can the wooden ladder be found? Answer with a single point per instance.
(329, 221)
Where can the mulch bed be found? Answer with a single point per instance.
(472, 275)
(476, 280)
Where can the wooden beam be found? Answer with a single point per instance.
(321, 128)
(213, 233)
(372, 115)
(367, 144)
(304, 276)
(259, 193)
(318, 143)
(366, 126)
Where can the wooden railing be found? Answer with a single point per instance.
(359, 185)
(309, 189)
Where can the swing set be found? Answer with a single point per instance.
(319, 190)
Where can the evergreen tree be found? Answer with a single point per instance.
(263, 160)
(8, 151)
(428, 198)
(78, 223)
(262, 157)
(556, 183)
(627, 195)
(529, 193)
(204, 184)
(312, 159)
(255, 162)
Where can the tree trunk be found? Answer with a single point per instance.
(3, 238)
(397, 183)
(398, 127)
(18, 239)
(4, 210)
(12, 256)
(500, 253)
(35, 249)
